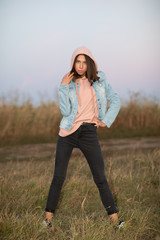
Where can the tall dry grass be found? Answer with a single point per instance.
(26, 123)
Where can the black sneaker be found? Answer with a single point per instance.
(46, 224)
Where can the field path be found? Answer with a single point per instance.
(48, 149)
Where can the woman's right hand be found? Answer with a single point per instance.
(67, 78)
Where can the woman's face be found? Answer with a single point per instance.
(81, 65)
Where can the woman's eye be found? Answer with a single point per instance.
(77, 61)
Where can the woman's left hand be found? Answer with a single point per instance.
(99, 123)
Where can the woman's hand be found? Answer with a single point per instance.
(98, 123)
(67, 78)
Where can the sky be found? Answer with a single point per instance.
(38, 37)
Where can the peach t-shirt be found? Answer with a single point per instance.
(87, 108)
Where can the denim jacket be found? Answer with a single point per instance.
(68, 102)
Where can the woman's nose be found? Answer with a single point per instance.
(81, 65)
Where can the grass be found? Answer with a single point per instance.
(133, 176)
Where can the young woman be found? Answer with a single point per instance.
(83, 95)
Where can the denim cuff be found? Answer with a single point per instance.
(49, 210)
(112, 211)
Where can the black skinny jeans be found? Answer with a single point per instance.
(85, 138)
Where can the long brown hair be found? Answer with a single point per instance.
(91, 72)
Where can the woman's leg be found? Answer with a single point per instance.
(63, 153)
(90, 147)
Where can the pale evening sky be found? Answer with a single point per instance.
(38, 38)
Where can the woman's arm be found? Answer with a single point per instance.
(64, 102)
(114, 107)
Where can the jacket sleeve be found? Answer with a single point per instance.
(114, 105)
(64, 102)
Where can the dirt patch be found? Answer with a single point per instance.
(121, 144)
(48, 150)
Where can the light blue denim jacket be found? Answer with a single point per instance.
(68, 102)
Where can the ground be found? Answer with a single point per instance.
(47, 150)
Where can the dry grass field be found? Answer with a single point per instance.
(28, 137)
(133, 175)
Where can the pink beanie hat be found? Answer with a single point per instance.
(82, 50)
